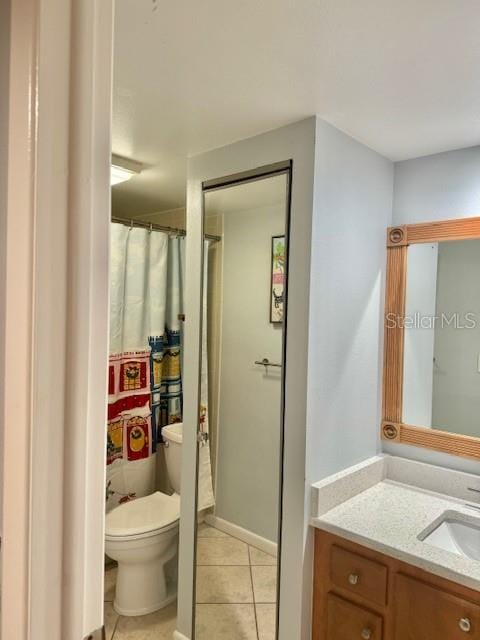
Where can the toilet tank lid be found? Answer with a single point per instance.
(143, 515)
(173, 432)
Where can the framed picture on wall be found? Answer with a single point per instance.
(277, 288)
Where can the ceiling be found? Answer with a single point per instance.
(400, 76)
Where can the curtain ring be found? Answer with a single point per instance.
(151, 228)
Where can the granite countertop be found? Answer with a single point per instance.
(389, 516)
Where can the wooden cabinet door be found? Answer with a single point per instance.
(355, 573)
(347, 621)
(423, 612)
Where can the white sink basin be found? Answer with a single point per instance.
(455, 532)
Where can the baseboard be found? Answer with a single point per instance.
(242, 534)
(179, 636)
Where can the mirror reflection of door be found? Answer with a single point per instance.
(241, 410)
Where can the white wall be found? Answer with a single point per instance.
(249, 421)
(436, 187)
(352, 208)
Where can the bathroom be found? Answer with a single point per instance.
(423, 417)
(260, 418)
(241, 209)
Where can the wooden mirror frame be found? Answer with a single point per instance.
(392, 428)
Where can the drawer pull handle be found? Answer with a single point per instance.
(353, 579)
(465, 624)
(366, 634)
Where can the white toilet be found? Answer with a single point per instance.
(142, 536)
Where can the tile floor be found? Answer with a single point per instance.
(236, 589)
(236, 594)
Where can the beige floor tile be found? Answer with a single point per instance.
(110, 580)
(266, 621)
(264, 584)
(155, 626)
(111, 617)
(206, 531)
(259, 558)
(224, 585)
(222, 551)
(225, 622)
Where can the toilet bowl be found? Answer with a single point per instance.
(142, 536)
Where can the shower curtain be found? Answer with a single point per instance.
(145, 367)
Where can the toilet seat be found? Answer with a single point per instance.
(143, 517)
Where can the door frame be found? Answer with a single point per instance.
(296, 144)
(54, 307)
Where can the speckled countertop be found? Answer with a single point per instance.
(389, 516)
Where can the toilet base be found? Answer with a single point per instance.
(171, 597)
(147, 572)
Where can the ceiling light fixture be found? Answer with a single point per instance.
(122, 169)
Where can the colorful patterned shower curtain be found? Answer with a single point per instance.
(145, 368)
(166, 350)
(145, 381)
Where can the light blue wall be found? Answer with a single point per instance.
(445, 185)
(352, 208)
(249, 425)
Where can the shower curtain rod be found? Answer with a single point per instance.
(158, 227)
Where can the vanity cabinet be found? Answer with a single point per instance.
(362, 594)
(346, 620)
(423, 611)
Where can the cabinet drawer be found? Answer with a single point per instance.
(424, 612)
(359, 575)
(347, 621)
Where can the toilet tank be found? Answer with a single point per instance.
(173, 436)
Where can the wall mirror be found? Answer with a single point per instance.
(432, 337)
(241, 412)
